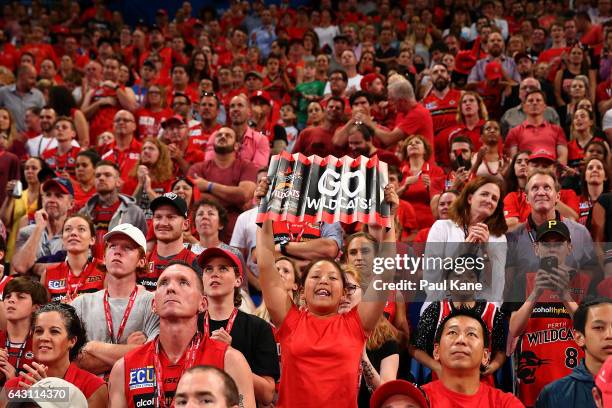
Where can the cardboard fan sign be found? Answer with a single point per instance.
(312, 189)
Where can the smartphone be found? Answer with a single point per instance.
(549, 263)
(461, 162)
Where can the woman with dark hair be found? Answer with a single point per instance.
(57, 339)
(184, 188)
(14, 208)
(84, 178)
(290, 273)
(153, 112)
(366, 63)
(198, 67)
(476, 218)
(595, 180)
(311, 45)
(321, 347)
(79, 273)
(576, 63)
(210, 218)
(422, 179)
(63, 103)
(515, 180)
(489, 160)
(582, 133)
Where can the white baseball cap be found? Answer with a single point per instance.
(71, 398)
(131, 232)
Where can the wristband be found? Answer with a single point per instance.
(210, 187)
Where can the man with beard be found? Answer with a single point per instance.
(107, 208)
(170, 219)
(496, 48)
(209, 110)
(318, 140)
(441, 101)
(360, 144)
(44, 238)
(37, 145)
(226, 177)
(254, 147)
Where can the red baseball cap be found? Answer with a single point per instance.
(216, 252)
(543, 154)
(464, 62)
(493, 71)
(262, 95)
(603, 381)
(367, 80)
(173, 119)
(398, 387)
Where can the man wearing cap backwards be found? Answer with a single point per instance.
(170, 219)
(516, 115)
(124, 151)
(461, 346)
(228, 178)
(546, 288)
(118, 318)
(593, 331)
(516, 207)
(247, 333)
(440, 100)
(179, 298)
(398, 394)
(254, 147)
(44, 238)
(535, 133)
(182, 152)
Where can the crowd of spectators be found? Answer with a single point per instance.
(133, 158)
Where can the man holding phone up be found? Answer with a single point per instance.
(547, 265)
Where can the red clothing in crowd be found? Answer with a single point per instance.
(314, 359)
(516, 205)
(417, 122)
(102, 121)
(575, 152)
(315, 141)
(126, 159)
(9, 56)
(443, 111)
(81, 196)
(63, 285)
(61, 162)
(444, 139)
(486, 397)
(41, 52)
(149, 122)
(545, 136)
(419, 195)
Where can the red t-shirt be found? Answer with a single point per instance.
(40, 52)
(417, 121)
(550, 54)
(63, 162)
(83, 380)
(320, 363)
(575, 152)
(101, 218)
(315, 140)
(59, 279)
(199, 139)
(126, 159)
(443, 111)
(18, 353)
(102, 121)
(407, 218)
(81, 196)
(9, 56)
(419, 195)
(444, 138)
(139, 373)
(603, 91)
(156, 265)
(486, 397)
(149, 122)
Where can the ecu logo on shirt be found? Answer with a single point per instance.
(142, 377)
(57, 284)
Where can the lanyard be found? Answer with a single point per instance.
(187, 363)
(228, 327)
(81, 280)
(126, 314)
(7, 344)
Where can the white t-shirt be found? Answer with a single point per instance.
(606, 122)
(37, 145)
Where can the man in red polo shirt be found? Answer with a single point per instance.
(441, 101)
(412, 117)
(124, 151)
(318, 140)
(536, 133)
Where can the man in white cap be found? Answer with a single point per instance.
(118, 318)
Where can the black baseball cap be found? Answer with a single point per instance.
(173, 200)
(553, 226)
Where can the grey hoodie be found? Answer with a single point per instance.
(128, 212)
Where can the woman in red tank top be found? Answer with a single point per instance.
(78, 273)
(321, 348)
(57, 339)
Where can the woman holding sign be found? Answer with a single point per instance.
(476, 226)
(321, 348)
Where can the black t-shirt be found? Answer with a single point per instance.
(388, 348)
(253, 337)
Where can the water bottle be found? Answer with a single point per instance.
(18, 189)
